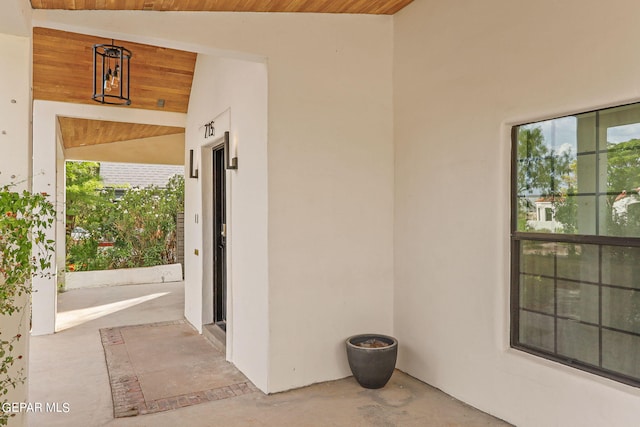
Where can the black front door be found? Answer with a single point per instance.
(219, 239)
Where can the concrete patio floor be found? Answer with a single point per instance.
(69, 367)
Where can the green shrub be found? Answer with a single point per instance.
(141, 226)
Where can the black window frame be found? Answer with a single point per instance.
(516, 239)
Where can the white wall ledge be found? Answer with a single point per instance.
(123, 276)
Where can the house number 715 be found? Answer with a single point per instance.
(209, 130)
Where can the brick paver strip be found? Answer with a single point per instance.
(176, 402)
(128, 398)
(111, 336)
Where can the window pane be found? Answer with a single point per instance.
(586, 215)
(579, 262)
(619, 131)
(536, 293)
(548, 214)
(586, 132)
(537, 258)
(578, 301)
(578, 341)
(536, 330)
(619, 166)
(621, 266)
(620, 215)
(621, 309)
(620, 353)
(574, 214)
(546, 159)
(586, 173)
(618, 125)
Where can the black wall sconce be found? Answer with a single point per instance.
(232, 163)
(192, 173)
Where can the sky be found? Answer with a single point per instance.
(623, 133)
(560, 134)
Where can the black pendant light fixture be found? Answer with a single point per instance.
(111, 74)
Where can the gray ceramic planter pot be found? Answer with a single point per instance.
(372, 367)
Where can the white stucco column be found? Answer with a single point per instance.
(48, 165)
(44, 297)
(15, 146)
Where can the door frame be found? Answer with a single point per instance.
(208, 249)
(219, 154)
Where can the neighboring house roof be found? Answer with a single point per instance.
(550, 199)
(137, 174)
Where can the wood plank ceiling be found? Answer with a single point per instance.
(62, 64)
(82, 132)
(62, 61)
(376, 7)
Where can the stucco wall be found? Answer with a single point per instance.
(15, 18)
(233, 92)
(464, 72)
(15, 108)
(330, 175)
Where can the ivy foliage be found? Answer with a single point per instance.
(25, 251)
(25, 217)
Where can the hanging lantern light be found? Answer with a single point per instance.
(111, 74)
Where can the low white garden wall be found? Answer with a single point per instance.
(123, 276)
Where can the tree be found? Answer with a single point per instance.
(83, 183)
(87, 207)
(566, 207)
(541, 172)
(623, 180)
(623, 166)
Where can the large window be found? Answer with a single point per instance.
(575, 234)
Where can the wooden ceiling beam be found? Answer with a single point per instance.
(375, 7)
(84, 132)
